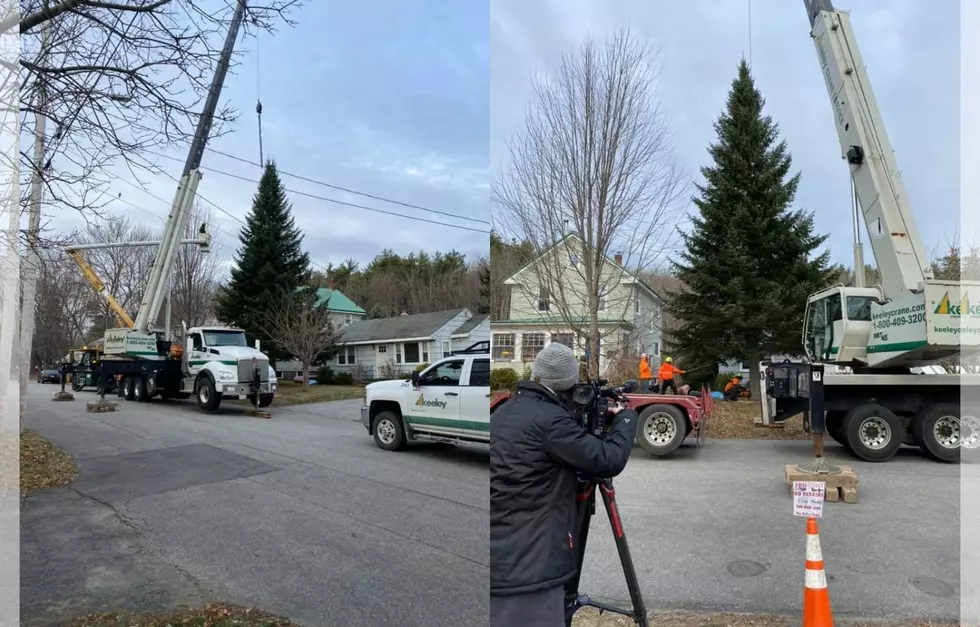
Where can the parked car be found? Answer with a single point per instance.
(49, 376)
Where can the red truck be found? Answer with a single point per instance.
(665, 419)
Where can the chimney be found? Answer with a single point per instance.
(619, 259)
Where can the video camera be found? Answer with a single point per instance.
(594, 398)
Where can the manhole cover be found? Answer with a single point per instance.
(745, 568)
(932, 586)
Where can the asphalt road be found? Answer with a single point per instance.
(300, 515)
(714, 529)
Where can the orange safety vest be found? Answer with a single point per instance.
(667, 371)
(645, 371)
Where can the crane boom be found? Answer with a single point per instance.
(901, 257)
(190, 178)
(93, 278)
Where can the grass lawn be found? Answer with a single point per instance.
(211, 615)
(294, 394)
(590, 618)
(42, 465)
(736, 419)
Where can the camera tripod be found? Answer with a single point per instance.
(586, 499)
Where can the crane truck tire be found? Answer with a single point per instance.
(834, 423)
(937, 431)
(127, 389)
(208, 398)
(151, 385)
(873, 433)
(139, 390)
(662, 429)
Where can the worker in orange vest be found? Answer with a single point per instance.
(666, 374)
(646, 374)
(733, 389)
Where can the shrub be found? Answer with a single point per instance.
(343, 378)
(503, 379)
(421, 367)
(324, 375)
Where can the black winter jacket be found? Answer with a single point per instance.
(536, 446)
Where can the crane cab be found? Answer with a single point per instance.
(837, 324)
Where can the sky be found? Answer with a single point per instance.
(396, 108)
(910, 47)
(416, 108)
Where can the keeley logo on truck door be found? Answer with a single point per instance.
(430, 403)
(964, 308)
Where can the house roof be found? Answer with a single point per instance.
(417, 326)
(471, 324)
(573, 236)
(337, 301)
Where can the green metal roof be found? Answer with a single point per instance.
(336, 301)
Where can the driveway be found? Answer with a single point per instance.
(300, 515)
(714, 529)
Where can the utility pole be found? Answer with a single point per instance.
(32, 262)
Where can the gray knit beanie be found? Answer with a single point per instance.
(556, 366)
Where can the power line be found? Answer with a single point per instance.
(347, 189)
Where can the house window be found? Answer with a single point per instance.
(544, 299)
(447, 348)
(564, 338)
(348, 319)
(382, 348)
(636, 305)
(602, 302)
(346, 356)
(531, 345)
(572, 260)
(656, 348)
(411, 351)
(425, 352)
(503, 346)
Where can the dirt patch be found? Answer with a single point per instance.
(291, 393)
(211, 615)
(42, 465)
(591, 618)
(736, 419)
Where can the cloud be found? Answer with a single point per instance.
(910, 47)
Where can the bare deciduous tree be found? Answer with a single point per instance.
(195, 278)
(593, 159)
(301, 327)
(117, 81)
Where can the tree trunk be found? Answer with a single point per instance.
(755, 378)
(306, 373)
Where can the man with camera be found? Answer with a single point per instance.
(538, 446)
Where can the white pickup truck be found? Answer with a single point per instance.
(447, 402)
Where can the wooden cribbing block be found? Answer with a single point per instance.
(99, 407)
(840, 487)
(258, 413)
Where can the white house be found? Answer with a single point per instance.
(389, 347)
(547, 301)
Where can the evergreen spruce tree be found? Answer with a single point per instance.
(749, 262)
(269, 266)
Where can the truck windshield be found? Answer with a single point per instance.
(225, 338)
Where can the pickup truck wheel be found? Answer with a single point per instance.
(389, 432)
(662, 429)
(127, 388)
(873, 432)
(207, 397)
(937, 431)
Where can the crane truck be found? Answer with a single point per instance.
(869, 379)
(214, 362)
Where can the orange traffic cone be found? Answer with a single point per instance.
(816, 599)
